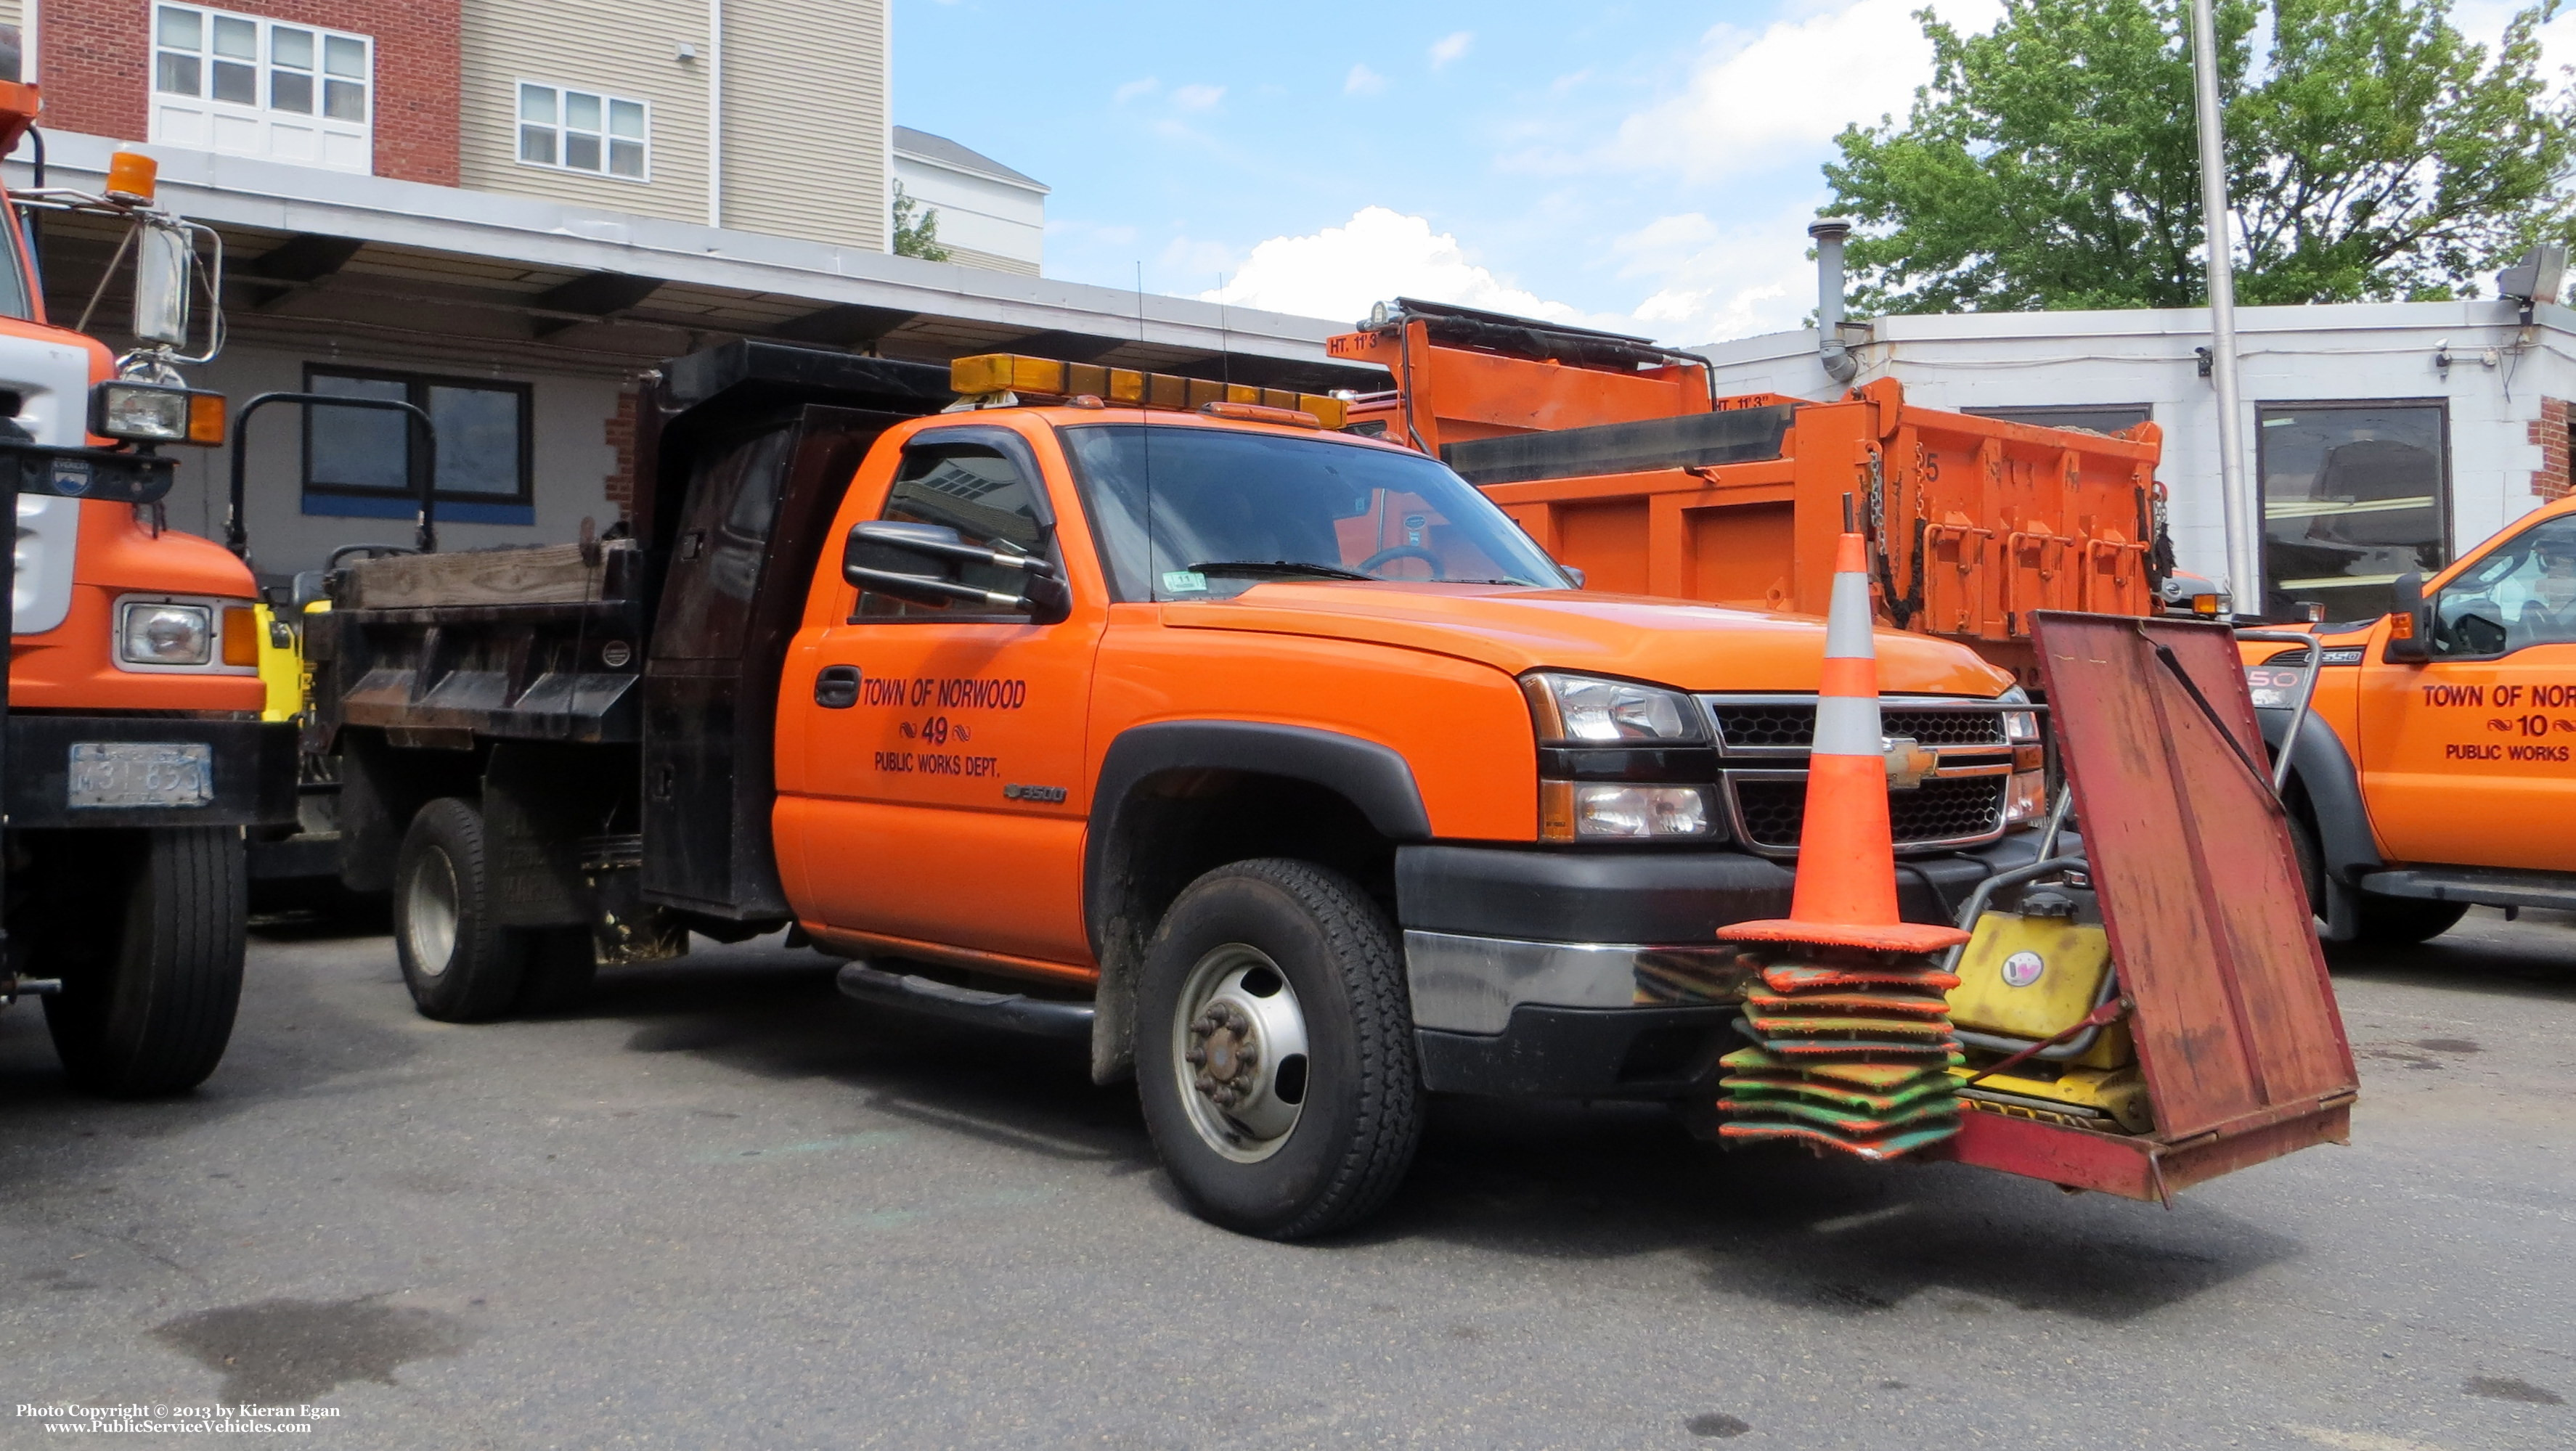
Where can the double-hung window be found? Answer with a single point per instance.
(247, 85)
(574, 130)
(365, 462)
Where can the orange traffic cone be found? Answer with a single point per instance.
(1852, 1023)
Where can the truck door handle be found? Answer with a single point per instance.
(836, 687)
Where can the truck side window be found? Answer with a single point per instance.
(14, 292)
(2522, 594)
(976, 490)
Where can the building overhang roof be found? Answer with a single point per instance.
(2470, 317)
(525, 282)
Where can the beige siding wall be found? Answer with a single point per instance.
(990, 261)
(806, 124)
(622, 48)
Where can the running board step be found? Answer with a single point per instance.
(2491, 887)
(1011, 1012)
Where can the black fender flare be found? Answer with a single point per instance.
(1374, 778)
(2333, 784)
(2325, 772)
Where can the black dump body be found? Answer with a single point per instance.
(611, 702)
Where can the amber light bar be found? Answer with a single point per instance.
(990, 373)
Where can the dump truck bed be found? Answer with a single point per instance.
(1623, 464)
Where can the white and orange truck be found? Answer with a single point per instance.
(134, 754)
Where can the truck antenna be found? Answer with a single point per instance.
(1145, 442)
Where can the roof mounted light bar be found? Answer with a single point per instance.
(990, 379)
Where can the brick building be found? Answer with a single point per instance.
(506, 210)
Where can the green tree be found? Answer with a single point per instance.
(2053, 163)
(916, 228)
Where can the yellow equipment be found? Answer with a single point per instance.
(282, 668)
(2026, 977)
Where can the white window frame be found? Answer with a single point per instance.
(561, 127)
(309, 138)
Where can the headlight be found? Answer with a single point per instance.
(143, 411)
(2021, 727)
(1584, 710)
(164, 634)
(1617, 811)
(156, 413)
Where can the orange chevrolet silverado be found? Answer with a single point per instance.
(1275, 764)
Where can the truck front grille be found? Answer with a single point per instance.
(1743, 726)
(1783, 725)
(1762, 748)
(1934, 814)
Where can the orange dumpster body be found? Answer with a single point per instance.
(1974, 523)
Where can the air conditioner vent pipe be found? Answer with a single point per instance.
(1829, 233)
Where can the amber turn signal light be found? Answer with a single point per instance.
(241, 636)
(206, 418)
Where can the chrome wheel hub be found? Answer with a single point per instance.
(430, 913)
(1239, 1053)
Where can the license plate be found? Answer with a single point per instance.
(141, 773)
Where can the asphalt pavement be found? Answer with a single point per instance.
(720, 1206)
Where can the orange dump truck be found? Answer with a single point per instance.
(1620, 459)
(1274, 764)
(135, 755)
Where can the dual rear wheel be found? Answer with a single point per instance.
(461, 964)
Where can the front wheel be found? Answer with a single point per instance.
(151, 983)
(2405, 921)
(1275, 1050)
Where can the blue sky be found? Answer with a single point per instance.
(1645, 167)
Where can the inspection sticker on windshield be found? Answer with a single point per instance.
(1184, 581)
(141, 773)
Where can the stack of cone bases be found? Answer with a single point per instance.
(1855, 1053)
(1853, 1031)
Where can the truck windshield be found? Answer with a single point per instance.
(1194, 513)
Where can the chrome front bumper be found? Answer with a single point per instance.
(1463, 984)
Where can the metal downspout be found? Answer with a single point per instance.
(2242, 512)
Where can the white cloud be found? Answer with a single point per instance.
(1134, 89)
(1698, 280)
(1362, 81)
(1451, 46)
(1715, 281)
(2484, 21)
(1378, 254)
(1197, 98)
(1755, 101)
